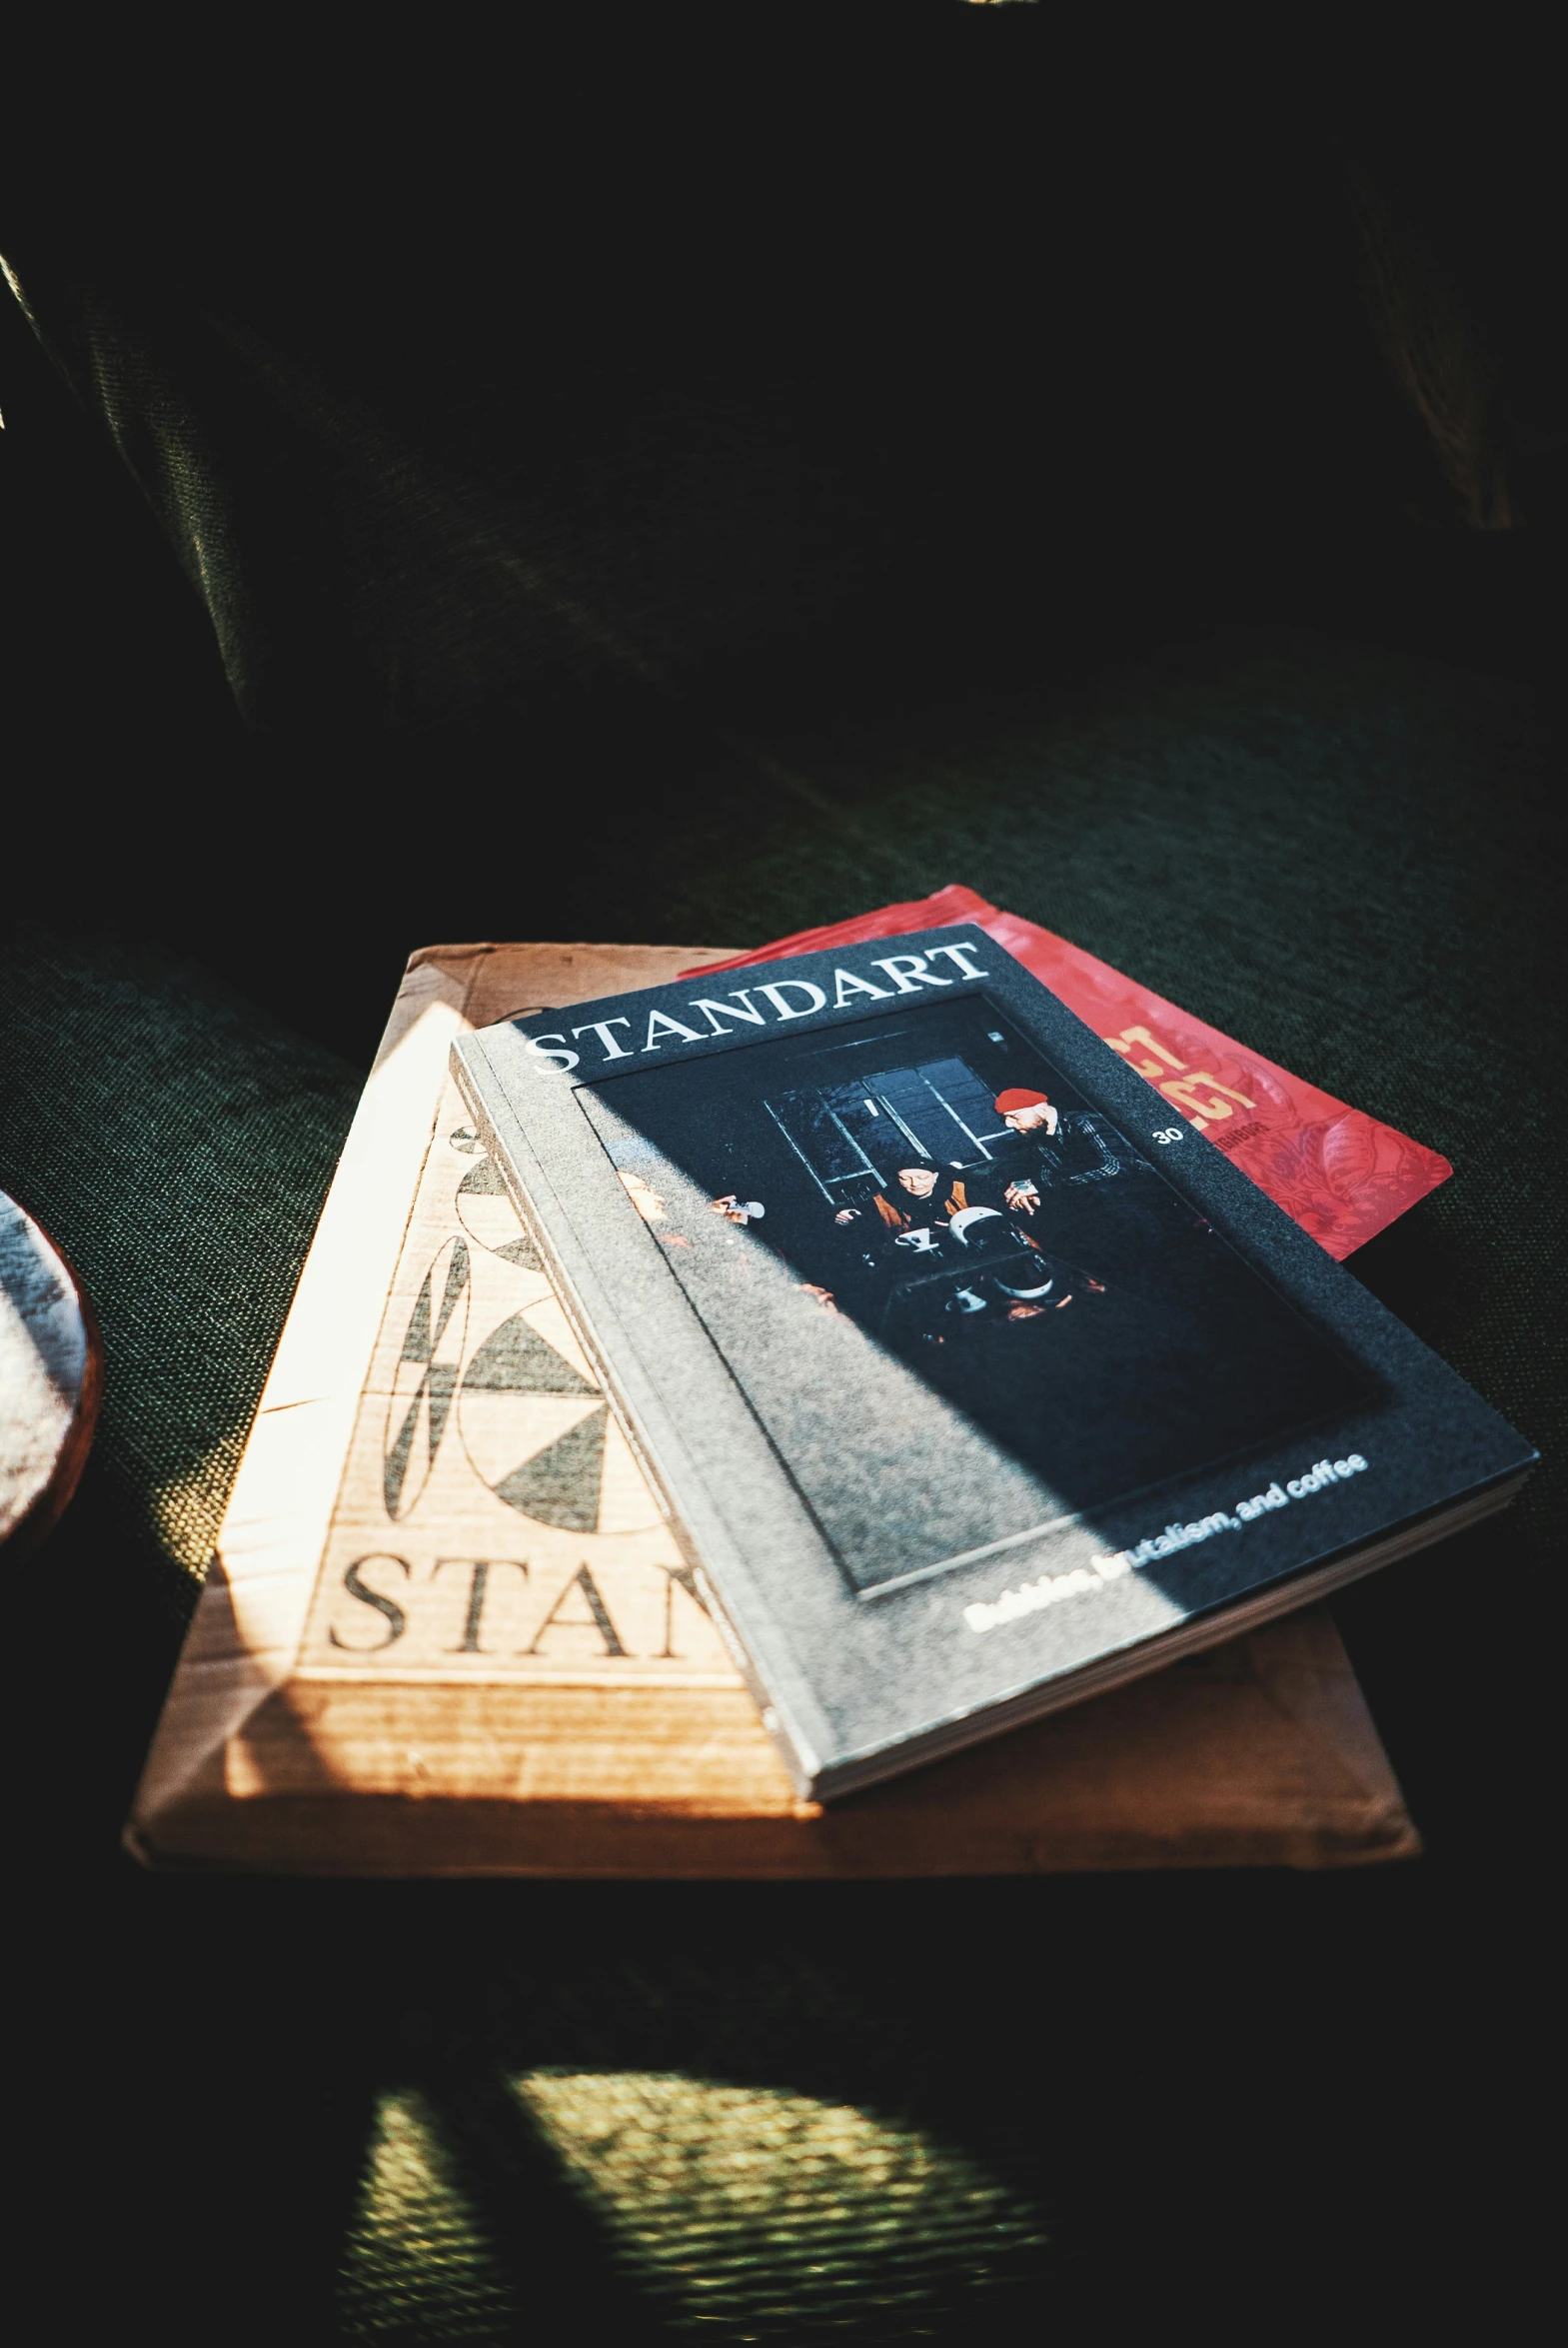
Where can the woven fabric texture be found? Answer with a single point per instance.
(1333, 853)
(804, 537)
(185, 1141)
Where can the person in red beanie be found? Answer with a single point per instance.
(1023, 1109)
(1025, 1112)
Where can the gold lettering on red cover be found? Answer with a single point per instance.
(1180, 1089)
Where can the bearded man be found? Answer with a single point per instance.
(1074, 1149)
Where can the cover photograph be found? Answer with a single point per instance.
(974, 1381)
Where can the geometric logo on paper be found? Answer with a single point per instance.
(561, 1484)
(534, 1428)
(424, 1380)
(488, 1216)
(541, 1435)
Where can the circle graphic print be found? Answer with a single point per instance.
(489, 1217)
(424, 1380)
(542, 1437)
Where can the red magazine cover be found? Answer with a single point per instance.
(1337, 1172)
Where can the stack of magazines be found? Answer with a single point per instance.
(720, 1383)
(974, 1374)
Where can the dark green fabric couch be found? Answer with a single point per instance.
(1333, 852)
(1293, 772)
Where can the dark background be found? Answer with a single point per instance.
(739, 483)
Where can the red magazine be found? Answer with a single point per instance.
(1338, 1172)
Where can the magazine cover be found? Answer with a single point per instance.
(971, 1377)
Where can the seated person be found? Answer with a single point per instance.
(924, 1200)
(1075, 1148)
